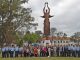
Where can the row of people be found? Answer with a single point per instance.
(41, 51)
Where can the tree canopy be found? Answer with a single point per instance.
(13, 17)
(31, 37)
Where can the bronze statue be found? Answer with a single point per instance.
(46, 19)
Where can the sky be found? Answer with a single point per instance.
(66, 14)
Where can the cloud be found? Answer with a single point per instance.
(68, 20)
(66, 14)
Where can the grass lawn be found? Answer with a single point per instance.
(42, 58)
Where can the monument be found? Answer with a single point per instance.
(46, 16)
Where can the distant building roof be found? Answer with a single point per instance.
(55, 38)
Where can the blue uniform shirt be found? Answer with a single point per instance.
(7, 48)
(3, 49)
(77, 48)
(11, 48)
(16, 48)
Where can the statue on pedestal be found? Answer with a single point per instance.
(46, 16)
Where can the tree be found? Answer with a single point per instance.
(76, 37)
(13, 17)
(31, 37)
(76, 34)
(53, 30)
(60, 34)
(64, 35)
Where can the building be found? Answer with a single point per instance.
(57, 41)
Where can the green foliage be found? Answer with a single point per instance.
(31, 37)
(13, 17)
(19, 40)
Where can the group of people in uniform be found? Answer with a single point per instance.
(8, 51)
(41, 51)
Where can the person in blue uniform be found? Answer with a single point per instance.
(66, 50)
(3, 52)
(16, 51)
(77, 50)
(7, 51)
(20, 51)
(12, 51)
(69, 50)
(74, 51)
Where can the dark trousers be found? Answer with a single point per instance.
(11, 53)
(79, 53)
(61, 53)
(31, 54)
(41, 53)
(57, 53)
(74, 53)
(66, 53)
(47, 53)
(7, 54)
(69, 53)
(25, 54)
(16, 53)
(3, 54)
(20, 53)
(35, 55)
(52, 53)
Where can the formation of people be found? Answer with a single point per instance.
(41, 51)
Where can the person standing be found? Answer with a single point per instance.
(35, 51)
(20, 51)
(38, 51)
(77, 50)
(54, 50)
(3, 52)
(69, 50)
(49, 50)
(60, 50)
(24, 51)
(27, 51)
(57, 50)
(41, 51)
(74, 51)
(12, 51)
(16, 51)
(7, 51)
(65, 50)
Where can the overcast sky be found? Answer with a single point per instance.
(66, 14)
